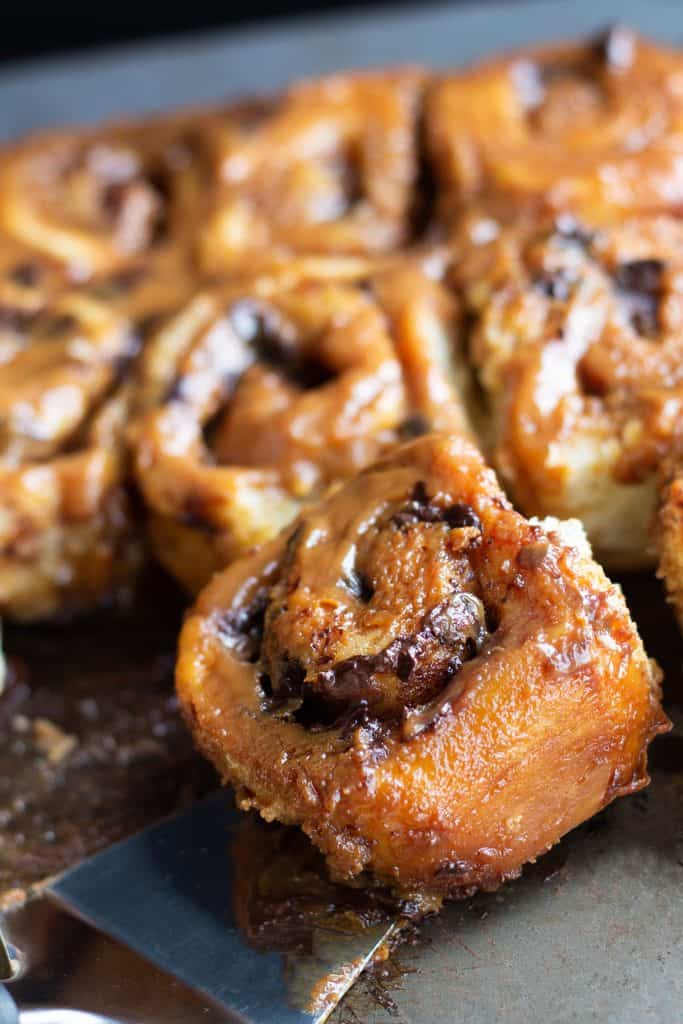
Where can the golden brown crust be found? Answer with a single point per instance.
(575, 334)
(434, 688)
(263, 395)
(328, 169)
(595, 128)
(67, 538)
(130, 221)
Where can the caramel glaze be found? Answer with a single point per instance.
(575, 333)
(326, 169)
(392, 670)
(315, 200)
(262, 396)
(107, 233)
(594, 128)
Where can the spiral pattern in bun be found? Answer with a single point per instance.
(66, 535)
(593, 128)
(433, 687)
(329, 169)
(575, 335)
(262, 396)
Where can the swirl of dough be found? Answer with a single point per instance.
(262, 396)
(95, 201)
(327, 170)
(434, 688)
(575, 335)
(67, 540)
(593, 128)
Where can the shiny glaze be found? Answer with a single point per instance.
(576, 335)
(261, 396)
(595, 128)
(538, 724)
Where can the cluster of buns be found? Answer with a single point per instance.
(273, 346)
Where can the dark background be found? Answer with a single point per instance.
(59, 26)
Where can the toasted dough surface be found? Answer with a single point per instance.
(594, 128)
(575, 334)
(433, 687)
(263, 395)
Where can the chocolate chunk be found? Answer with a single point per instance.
(27, 275)
(274, 343)
(639, 284)
(421, 510)
(449, 626)
(359, 585)
(291, 679)
(418, 509)
(413, 426)
(359, 718)
(405, 663)
(460, 515)
(241, 629)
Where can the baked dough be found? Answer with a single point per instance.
(433, 687)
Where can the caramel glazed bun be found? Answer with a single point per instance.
(263, 395)
(67, 537)
(391, 672)
(326, 171)
(594, 128)
(575, 335)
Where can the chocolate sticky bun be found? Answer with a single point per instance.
(328, 169)
(260, 397)
(96, 201)
(433, 687)
(595, 128)
(66, 536)
(575, 335)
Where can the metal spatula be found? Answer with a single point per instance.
(166, 897)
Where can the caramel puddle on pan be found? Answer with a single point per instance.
(327, 934)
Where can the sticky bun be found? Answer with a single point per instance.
(593, 128)
(96, 201)
(67, 540)
(433, 687)
(575, 336)
(262, 396)
(328, 169)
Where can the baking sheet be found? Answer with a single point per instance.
(595, 931)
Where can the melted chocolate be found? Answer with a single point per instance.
(241, 629)
(27, 275)
(273, 343)
(421, 510)
(639, 285)
(358, 585)
(413, 426)
(429, 659)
